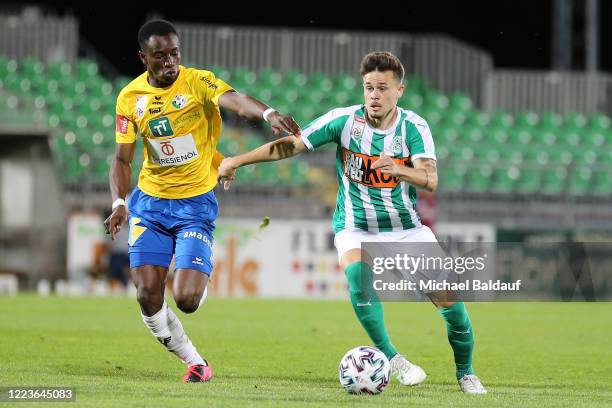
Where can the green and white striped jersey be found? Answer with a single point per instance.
(368, 199)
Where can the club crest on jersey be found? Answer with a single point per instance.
(179, 101)
(357, 128)
(141, 105)
(396, 145)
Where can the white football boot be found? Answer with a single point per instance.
(406, 372)
(470, 384)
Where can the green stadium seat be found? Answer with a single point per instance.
(499, 135)
(87, 69)
(505, 179)
(270, 78)
(570, 138)
(295, 78)
(479, 179)
(453, 177)
(594, 138)
(520, 136)
(460, 102)
(477, 118)
(551, 120)
(561, 156)
(511, 156)
(32, 68)
(529, 181)
(580, 181)
(600, 121)
(537, 156)
(502, 120)
(8, 66)
(527, 119)
(553, 181)
(545, 137)
(320, 82)
(345, 82)
(576, 120)
(435, 100)
(59, 70)
(602, 183)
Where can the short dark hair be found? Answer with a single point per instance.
(382, 61)
(153, 27)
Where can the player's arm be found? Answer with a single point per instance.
(250, 108)
(283, 148)
(119, 180)
(424, 174)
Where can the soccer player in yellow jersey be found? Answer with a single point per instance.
(172, 211)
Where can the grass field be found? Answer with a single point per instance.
(285, 353)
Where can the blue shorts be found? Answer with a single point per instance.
(160, 228)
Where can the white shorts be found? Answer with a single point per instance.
(348, 239)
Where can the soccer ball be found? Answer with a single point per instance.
(364, 370)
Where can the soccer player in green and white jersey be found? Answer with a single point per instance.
(384, 154)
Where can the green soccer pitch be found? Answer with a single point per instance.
(286, 353)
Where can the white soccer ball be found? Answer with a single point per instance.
(364, 370)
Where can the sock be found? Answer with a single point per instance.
(168, 330)
(367, 307)
(460, 336)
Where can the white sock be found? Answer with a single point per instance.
(204, 296)
(168, 330)
(181, 345)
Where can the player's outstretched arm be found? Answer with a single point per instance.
(424, 174)
(283, 148)
(119, 180)
(251, 108)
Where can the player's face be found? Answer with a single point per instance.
(162, 58)
(381, 91)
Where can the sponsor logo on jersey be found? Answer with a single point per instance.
(358, 168)
(122, 124)
(141, 105)
(153, 111)
(208, 82)
(161, 127)
(186, 119)
(173, 152)
(179, 101)
(357, 128)
(197, 235)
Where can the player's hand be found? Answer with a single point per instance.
(227, 172)
(387, 165)
(283, 123)
(115, 221)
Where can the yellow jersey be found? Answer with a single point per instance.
(180, 126)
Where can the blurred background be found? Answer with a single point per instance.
(518, 95)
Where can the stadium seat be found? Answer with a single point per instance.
(580, 181)
(529, 181)
(479, 179)
(554, 181)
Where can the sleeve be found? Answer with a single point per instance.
(207, 88)
(217, 159)
(125, 131)
(326, 129)
(419, 139)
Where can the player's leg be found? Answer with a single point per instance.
(150, 247)
(188, 289)
(193, 266)
(368, 308)
(461, 339)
